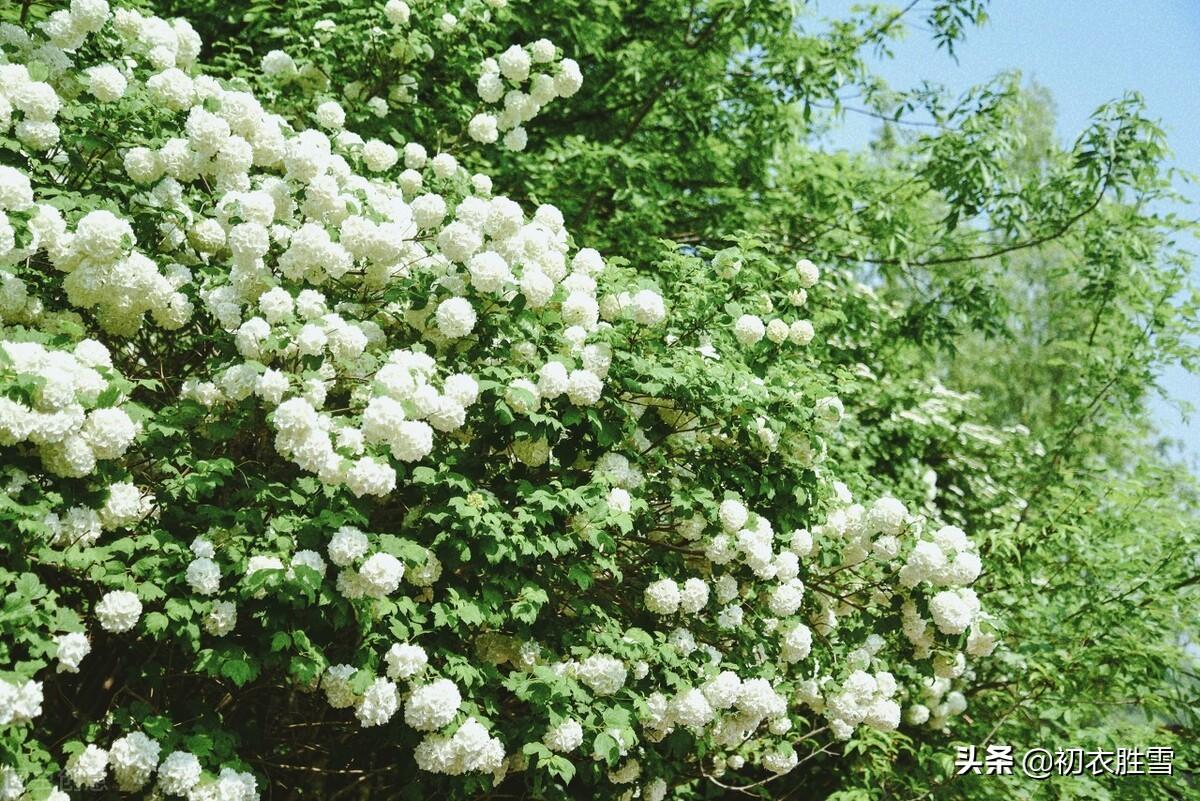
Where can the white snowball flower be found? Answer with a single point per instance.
(203, 576)
(807, 273)
(445, 165)
(331, 115)
(584, 388)
(278, 64)
(72, 648)
(565, 737)
(749, 330)
(118, 611)
(221, 618)
(431, 706)
(347, 546)
(133, 758)
(553, 380)
(397, 12)
(801, 332)
(951, 611)
(455, 318)
(379, 156)
(662, 597)
(484, 128)
(405, 660)
(797, 643)
(88, 767)
(179, 773)
(693, 596)
(378, 703)
(777, 331)
(648, 307)
(887, 516)
(733, 515)
(381, 573)
(604, 674)
(515, 63)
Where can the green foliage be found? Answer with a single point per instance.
(995, 312)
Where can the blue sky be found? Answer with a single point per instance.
(1085, 52)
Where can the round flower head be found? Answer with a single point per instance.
(662, 597)
(432, 706)
(455, 318)
(807, 273)
(118, 611)
(72, 648)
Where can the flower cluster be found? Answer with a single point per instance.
(534, 484)
(134, 760)
(66, 405)
(502, 79)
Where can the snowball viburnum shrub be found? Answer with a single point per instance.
(304, 429)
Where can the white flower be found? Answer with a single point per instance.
(604, 674)
(693, 597)
(72, 648)
(88, 767)
(883, 715)
(445, 165)
(619, 500)
(565, 737)
(397, 12)
(749, 330)
(379, 156)
(887, 516)
(106, 82)
(692, 710)
(118, 611)
(807, 273)
(203, 576)
(462, 388)
(733, 515)
(278, 64)
(221, 619)
(381, 573)
(331, 115)
(542, 51)
(780, 763)
(723, 690)
(514, 64)
(377, 704)
(552, 380)
(134, 758)
(484, 128)
(662, 597)
(917, 714)
(179, 773)
(584, 388)
(516, 139)
(648, 307)
(405, 660)
(431, 706)
(347, 546)
(569, 78)
(801, 332)
(455, 318)
(124, 507)
(777, 331)
(952, 611)
(797, 643)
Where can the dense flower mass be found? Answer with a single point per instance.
(334, 416)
